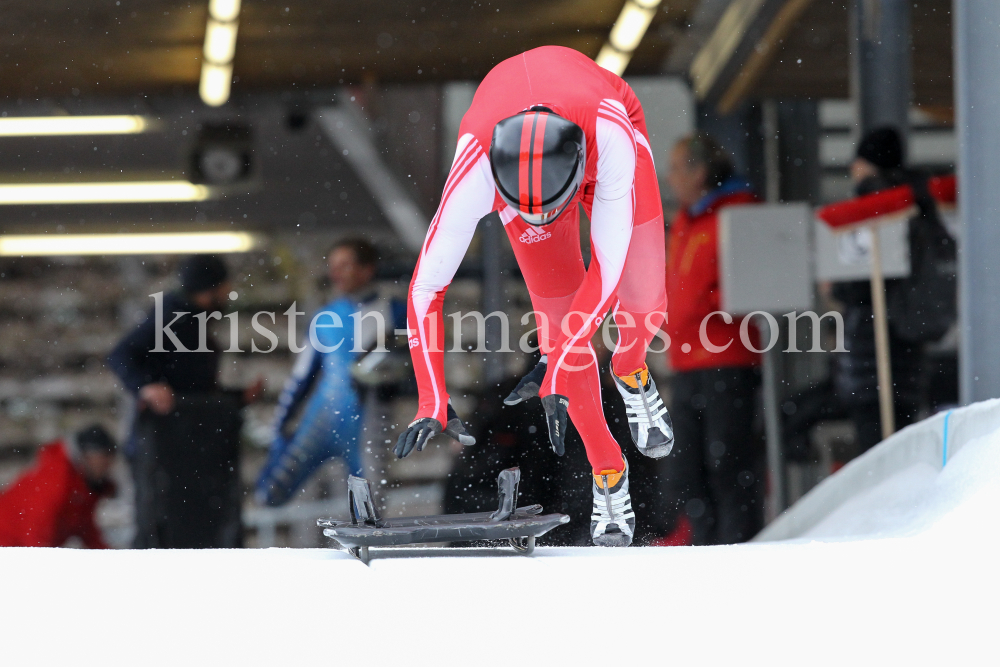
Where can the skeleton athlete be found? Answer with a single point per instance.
(550, 131)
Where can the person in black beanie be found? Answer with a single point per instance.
(879, 165)
(881, 149)
(171, 367)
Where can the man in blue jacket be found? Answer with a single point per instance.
(322, 387)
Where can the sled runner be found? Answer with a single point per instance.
(366, 529)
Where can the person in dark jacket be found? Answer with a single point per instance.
(877, 166)
(164, 355)
(710, 481)
(54, 500)
(184, 444)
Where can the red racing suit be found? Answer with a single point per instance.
(621, 197)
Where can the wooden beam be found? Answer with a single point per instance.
(739, 50)
(722, 45)
(762, 54)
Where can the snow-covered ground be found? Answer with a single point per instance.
(906, 573)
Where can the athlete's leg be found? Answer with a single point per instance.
(639, 314)
(642, 294)
(552, 265)
(326, 429)
(347, 437)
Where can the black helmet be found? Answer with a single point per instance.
(538, 160)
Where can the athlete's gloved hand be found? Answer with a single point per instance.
(416, 435)
(557, 416)
(530, 384)
(423, 429)
(456, 429)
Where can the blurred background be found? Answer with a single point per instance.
(290, 125)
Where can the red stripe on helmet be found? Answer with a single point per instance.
(536, 156)
(524, 164)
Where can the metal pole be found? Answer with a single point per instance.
(493, 296)
(772, 360)
(882, 81)
(883, 365)
(977, 103)
(772, 427)
(772, 154)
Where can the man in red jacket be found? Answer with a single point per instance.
(710, 479)
(55, 499)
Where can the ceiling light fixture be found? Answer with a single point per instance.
(219, 51)
(220, 41)
(48, 245)
(626, 34)
(102, 193)
(224, 10)
(41, 126)
(215, 83)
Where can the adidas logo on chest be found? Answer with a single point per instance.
(532, 235)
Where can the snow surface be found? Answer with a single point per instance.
(906, 573)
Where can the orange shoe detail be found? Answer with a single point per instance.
(631, 380)
(613, 478)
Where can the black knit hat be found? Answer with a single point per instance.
(883, 148)
(95, 439)
(198, 273)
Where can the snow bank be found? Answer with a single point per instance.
(964, 495)
(924, 446)
(904, 572)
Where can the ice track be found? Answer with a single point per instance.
(902, 571)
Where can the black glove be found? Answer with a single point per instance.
(456, 429)
(530, 384)
(416, 435)
(421, 430)
(557, 416)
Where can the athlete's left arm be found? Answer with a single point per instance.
(610, 234)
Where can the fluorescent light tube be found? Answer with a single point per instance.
(215, 83)
(220, 42)
(613, 60)
(630, 27)
(40, 126)
(42, 245)
(101, 193)
(224, 10)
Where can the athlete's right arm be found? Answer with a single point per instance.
(469, 194)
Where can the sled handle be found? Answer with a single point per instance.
(507, 484)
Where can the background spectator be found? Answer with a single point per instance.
(324, 386)
(879, 165)
(54, 500)
(711, 480)
(184, 446)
